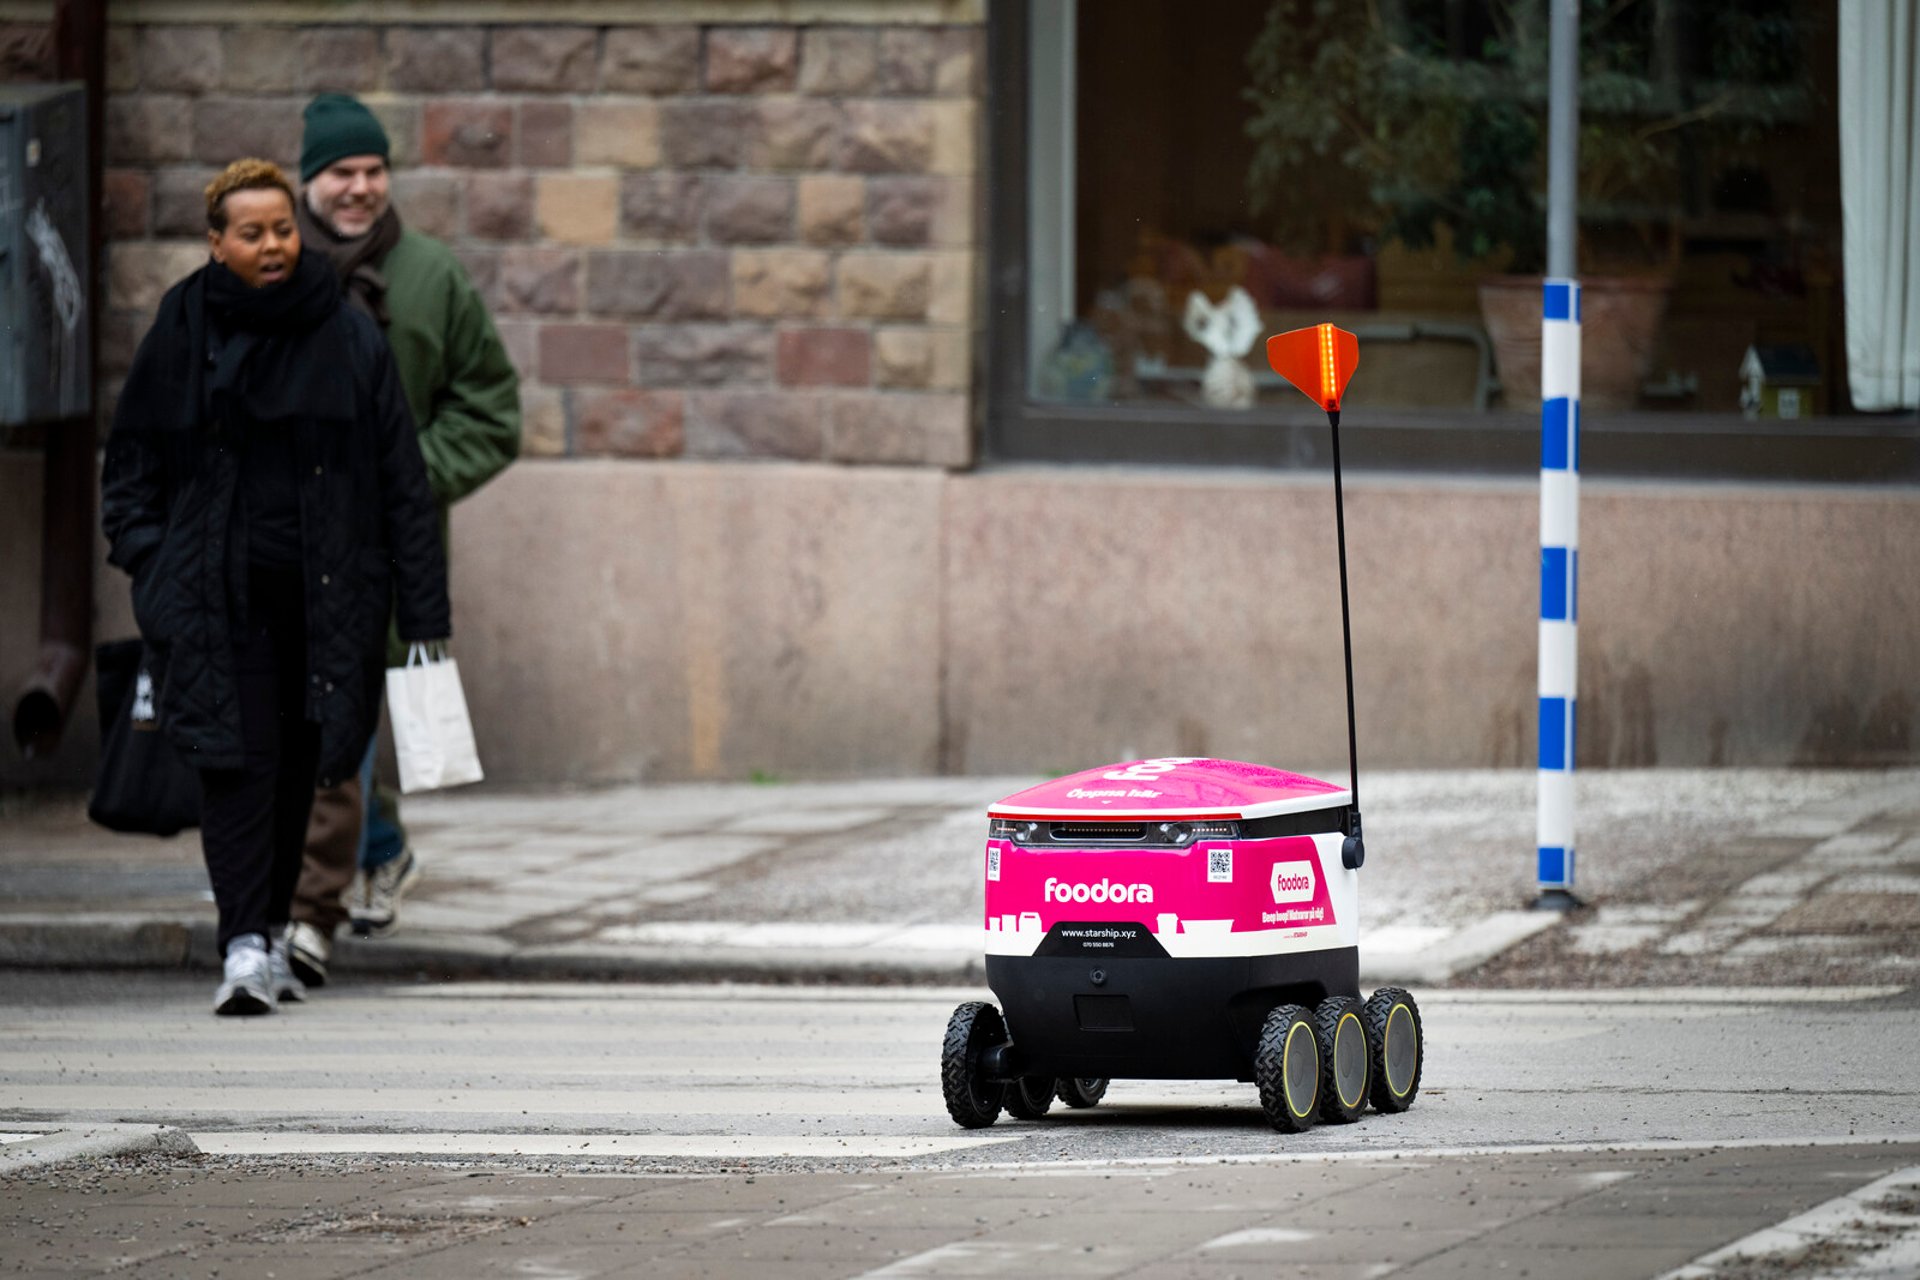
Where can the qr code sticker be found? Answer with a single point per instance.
(993, 864)
(1219, 866)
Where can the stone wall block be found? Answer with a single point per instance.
(951, 301)
(887, 137)
(885, 286)
(436, 59)
(795, 134)
(400, 117)
(704, 135)
(146, 128)
(340, 59)
(614, 131)
(658, 286)
(539, 280)
(584, 353)
(260, 59)
(667, 207)
(743, 210)
(960, 64)
(26, 53)
(120, 336)
(180, 201)
(546, 59)
(628, 423)
(956, 136)
(831, 209)
(647, 59)
(482, 266)
(839, 61)
(123, 57)
(909, 60)
(703, 356)
(126, 194)
(902, 210)
(180, 59)
(499, 206)
(543, 422)
(825, 357)
(545, 134)
(753, 424)
(579, 208)
(140, 271)
(467, 133)
(900, 430)
(903, 359)
(225, 129)
(428, 202)
(521, 339)
(752, 59)
(781, 283)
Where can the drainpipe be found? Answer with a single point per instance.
(71, 474)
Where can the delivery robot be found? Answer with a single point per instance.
(1189, 919)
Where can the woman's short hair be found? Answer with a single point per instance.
(243, 175)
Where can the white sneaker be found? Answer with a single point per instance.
(309, 951)
(286, 983)
(376, 913)
(246, 986)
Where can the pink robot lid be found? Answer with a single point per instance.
(1174, 787)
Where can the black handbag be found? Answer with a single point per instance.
(143, 785)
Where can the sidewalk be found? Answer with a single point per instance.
(1749, 877)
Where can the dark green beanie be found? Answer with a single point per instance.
(338, 126)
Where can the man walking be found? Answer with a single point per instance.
(465, 398)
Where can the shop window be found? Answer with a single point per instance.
(1173, 182)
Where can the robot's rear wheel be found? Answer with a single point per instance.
(1080, 1091)
(1030, 1097)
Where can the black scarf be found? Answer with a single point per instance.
(356, 258)
(278, 359)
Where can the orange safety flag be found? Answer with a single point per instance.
(1319, 361)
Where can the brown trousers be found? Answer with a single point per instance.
(332, 856)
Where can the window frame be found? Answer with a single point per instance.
(1018, 428)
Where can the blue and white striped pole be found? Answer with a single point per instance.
(1559, 582)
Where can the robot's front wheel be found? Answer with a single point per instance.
(1080, 1091)
(1286, 1066)
(1396, 1046)
(973, 1101)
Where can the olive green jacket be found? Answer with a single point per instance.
(454, 373)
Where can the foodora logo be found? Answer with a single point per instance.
(1292, 882)
(1102, 891)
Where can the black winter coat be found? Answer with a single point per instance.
(369, 529)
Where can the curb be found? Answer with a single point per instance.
(92, 1143)
(113, 942)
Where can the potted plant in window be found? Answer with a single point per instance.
(1437, 112)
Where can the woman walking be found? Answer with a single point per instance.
(265, 491)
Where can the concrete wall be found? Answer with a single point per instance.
(710, 622)
(623, 620)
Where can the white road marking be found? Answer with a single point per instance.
(967, 1258)
(664, 1146)
(1392, 1155)
(1878, 1240)
(1254, 1236)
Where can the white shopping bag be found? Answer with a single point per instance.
(432, 737)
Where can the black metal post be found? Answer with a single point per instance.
(1353, 852)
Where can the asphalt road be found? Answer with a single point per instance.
(541, 1130)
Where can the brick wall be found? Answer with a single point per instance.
(699, 240)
